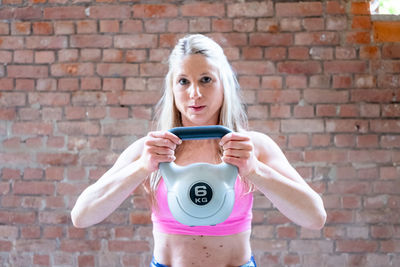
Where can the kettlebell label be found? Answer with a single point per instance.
(201, 193)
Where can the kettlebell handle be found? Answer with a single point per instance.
(200, 132)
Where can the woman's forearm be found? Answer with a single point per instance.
(100, 199)
(295, 200)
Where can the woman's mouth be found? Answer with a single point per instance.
(196, 108)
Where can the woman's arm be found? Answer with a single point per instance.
(132, 167)
(262, 162)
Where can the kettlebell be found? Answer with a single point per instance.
(200, 194)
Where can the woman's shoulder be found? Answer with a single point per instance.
(265, 147)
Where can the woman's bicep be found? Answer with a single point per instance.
(129, 155)
(271, 154)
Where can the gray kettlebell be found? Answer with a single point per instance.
(200, 193)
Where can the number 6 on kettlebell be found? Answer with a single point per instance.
(200, 193)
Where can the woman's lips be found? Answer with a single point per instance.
(197, 108)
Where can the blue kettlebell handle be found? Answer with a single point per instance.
(200, 132)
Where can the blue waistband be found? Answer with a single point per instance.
(250, 263)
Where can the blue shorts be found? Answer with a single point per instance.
(250, 263)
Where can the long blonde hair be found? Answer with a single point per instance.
(232, 114)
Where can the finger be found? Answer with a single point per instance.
(166, 135)
(239, 145)
(160, 142)
(243, 154)
(233, 137)
(154, 150)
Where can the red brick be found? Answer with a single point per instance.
(369, 52)
(32, 128)
(109, 26)
(271, 39)
(325, 96)
(109, 11)
(280, 111)
(129, 246)
(298, 9)
(294, 67)
(90, 83)
(72, 69)
(203, 10)
(46, 42)
(358, 38)
(302, 125)
(155, 11)
(391, 51)
(86, 26)
(80, 245)
(250, 9)
(7, 42)
(343, 66)
(253, 67)
(200, 24)
(335, 7)
(155, 25)
(361, 22)
(6, 84)
(229, 39)
(349, 246)
(12, 99)
(90, 41)
(303, 111)
(7, 114)
(42, 28)
(373, 95)
(132, 26)
(86, 260)
(117, 70)
(139, 98)
(21, 28)
(296, 82)
(326, 156)
(23, 56)
(385, 31)
(79, 128)
(57, 158)
(286, 24)
(135, 41)
(244, 25)
(69, 12)
(34, 188)
(336, 23)
(43, 260)
(64, 27)
(316, 38)
(153, 69)
(360, 8)
(298, 53)
(271, 82)
(44, 57)
(222, 25)
(89, 98)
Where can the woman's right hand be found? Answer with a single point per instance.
(159, 146)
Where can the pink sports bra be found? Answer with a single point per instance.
(239, 220)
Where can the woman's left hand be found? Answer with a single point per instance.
(239, 151)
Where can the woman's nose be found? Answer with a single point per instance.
(194, 91)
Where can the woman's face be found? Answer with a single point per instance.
(198, 91)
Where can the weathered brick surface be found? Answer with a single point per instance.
(79, 81)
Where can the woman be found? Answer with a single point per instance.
(201, 89)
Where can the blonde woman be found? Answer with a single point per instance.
(201, 89)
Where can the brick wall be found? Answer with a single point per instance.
(78, 82)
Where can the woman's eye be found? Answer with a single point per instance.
(206, 79)
(183, 81)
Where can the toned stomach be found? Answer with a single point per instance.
(200, 251)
